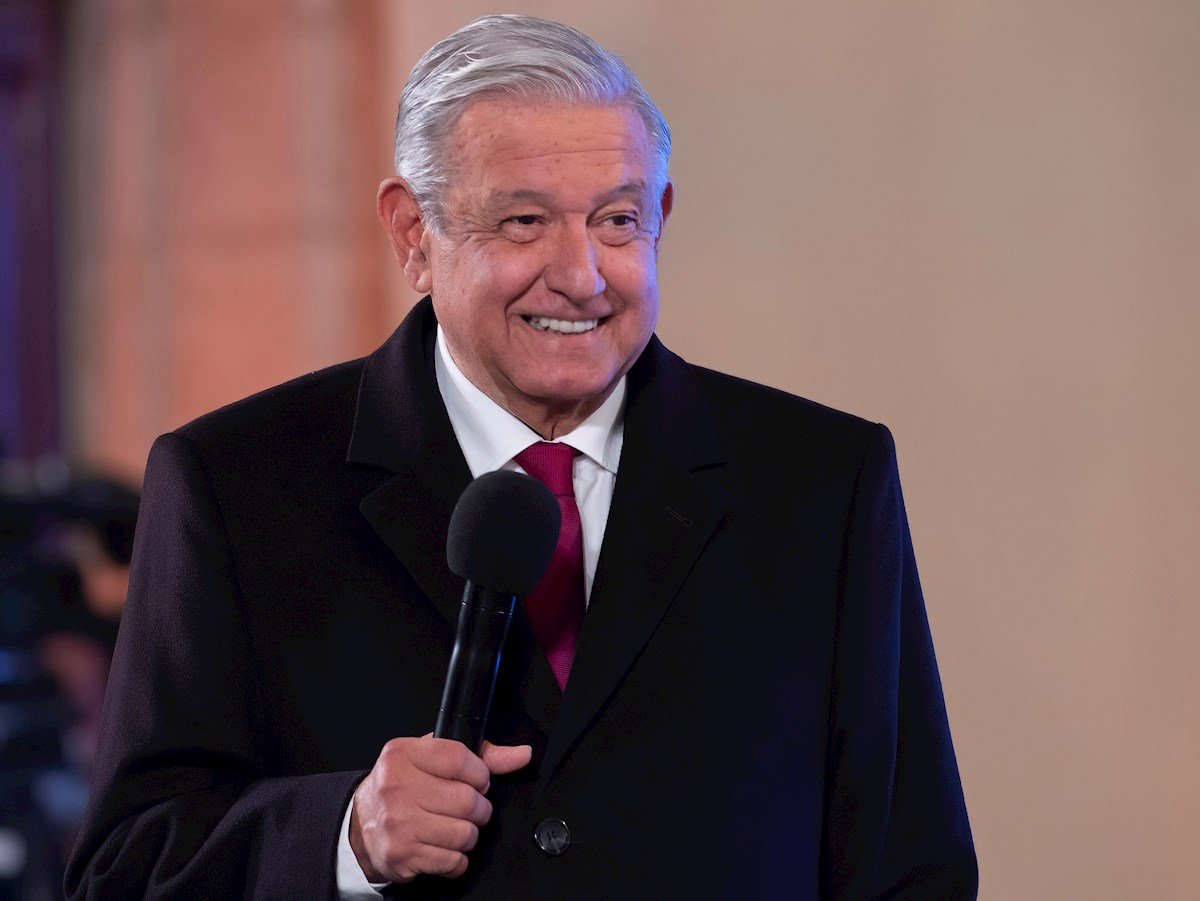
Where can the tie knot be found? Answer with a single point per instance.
(550, 463)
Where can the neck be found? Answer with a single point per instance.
(549, 418)
(550, 421)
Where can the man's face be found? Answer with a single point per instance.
(544, 277)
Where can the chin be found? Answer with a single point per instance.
(563, 388)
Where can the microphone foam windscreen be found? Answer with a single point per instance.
(503, 532)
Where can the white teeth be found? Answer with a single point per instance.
(562, 326)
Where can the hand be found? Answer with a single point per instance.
(420, 808)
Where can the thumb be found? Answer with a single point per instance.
(502, 759)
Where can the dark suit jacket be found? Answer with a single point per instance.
(754, 709)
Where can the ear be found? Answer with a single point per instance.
(402, 220)
(666, 202)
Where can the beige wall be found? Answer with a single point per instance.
(976, 222)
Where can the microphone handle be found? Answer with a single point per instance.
(483, 621)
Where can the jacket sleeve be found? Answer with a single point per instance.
(181, 804)
(895, 819)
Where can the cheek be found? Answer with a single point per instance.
(507, 270)
(634, 277)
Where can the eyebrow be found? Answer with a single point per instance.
(636, 188)
(521, 195)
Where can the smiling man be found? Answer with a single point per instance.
(724, 687)
(545, 266)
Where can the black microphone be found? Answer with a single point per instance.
(502, 535)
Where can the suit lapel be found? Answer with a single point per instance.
(412, 519)
(401, 426)
(668, 501)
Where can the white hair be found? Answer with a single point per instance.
(518, 56)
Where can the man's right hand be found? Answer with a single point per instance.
(420, 808)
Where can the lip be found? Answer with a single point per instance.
(598, 319)
(527, 317)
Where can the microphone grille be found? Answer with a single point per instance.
(503, 532)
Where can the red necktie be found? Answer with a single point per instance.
(555, 607)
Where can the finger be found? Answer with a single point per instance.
(451, 760)
(459, 800)
(447, 832)
(502, 759)
(438, 861)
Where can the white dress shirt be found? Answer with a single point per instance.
(490, 437)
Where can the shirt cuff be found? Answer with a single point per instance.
(352, 884)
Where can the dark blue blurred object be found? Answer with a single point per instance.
(44, 752)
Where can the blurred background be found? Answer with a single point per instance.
(977, 222)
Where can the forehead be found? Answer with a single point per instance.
(500, 146)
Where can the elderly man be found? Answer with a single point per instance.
(730, 693)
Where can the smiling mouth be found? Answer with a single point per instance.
(561, 326)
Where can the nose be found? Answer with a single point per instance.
(573, 269)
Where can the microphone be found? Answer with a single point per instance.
(502, 535)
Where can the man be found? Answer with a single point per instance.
(749, 706)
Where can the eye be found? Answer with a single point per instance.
(619, 228)
(523, 228)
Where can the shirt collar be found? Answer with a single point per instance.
(490, 436)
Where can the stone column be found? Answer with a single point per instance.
(224, 166)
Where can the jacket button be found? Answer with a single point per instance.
(552, 836)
